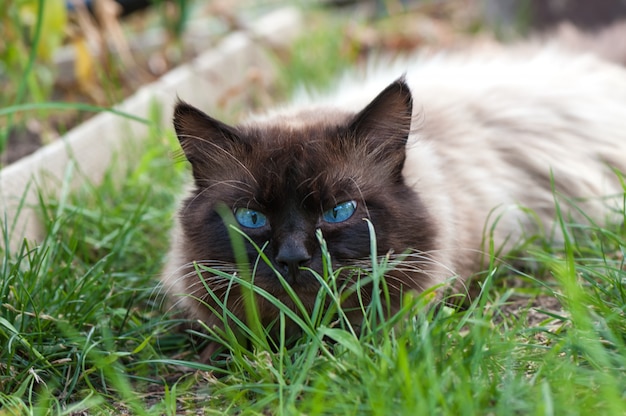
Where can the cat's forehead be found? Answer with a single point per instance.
(301, 155)
(298, 136)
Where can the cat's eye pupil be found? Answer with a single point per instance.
(340, 212)
(250, 218)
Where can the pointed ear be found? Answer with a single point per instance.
(205, 141)
(384, 125)
(198, 132)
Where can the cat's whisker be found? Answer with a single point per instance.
(243, 187)
(235, 305)
(361, 196)
(408, 265)
(195, 280)
(307, 181)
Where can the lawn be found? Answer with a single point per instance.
(84, 328)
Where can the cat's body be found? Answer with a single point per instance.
(488, 134)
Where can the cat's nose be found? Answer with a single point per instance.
(291, 256)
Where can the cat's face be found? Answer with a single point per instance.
(281, 181)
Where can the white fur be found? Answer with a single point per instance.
(487, 125)
(561, 114)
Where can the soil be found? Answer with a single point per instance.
(536, 312)
(20, 142)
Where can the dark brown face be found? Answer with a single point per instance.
(280, 184)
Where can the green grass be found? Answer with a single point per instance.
(83, 329)
(80, 302)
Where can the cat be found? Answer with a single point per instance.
(440, 161)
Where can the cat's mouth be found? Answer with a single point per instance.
(304, 281)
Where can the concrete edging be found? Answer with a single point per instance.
(93, 144)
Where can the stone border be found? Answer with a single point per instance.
(93, 145)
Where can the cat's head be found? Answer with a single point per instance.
(282, 178)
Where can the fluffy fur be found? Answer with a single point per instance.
(433, 160)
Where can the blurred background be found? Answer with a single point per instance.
(98, 52)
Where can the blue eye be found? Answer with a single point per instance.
(250, 218)
(340, 213)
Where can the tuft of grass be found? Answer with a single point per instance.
(77, 306)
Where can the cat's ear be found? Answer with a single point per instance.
(203, 139)
(385, 123)
(198, 132)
